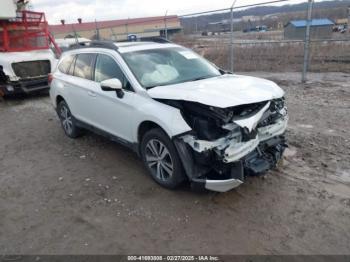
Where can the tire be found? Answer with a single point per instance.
(161, 159)
(68, 122)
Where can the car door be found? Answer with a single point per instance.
(110, 113)
(81, 87)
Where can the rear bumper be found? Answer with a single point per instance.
(25, 86)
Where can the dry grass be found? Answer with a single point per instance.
(330, 57)
(279, 57)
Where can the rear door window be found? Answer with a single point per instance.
(83, 66)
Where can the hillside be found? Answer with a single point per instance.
(331, 9)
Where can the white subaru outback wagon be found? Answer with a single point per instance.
(186, 118)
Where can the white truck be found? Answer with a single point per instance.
(26, 59)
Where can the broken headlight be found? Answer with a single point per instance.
(274, 113)
(277, 104)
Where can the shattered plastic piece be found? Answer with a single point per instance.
(251, 122)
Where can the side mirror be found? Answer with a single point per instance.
(113, 84)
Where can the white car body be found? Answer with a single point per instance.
(16, 83)
(238, 90)
(122, 118)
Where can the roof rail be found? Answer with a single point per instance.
(95, 43)
(155, 39)
(160, 40)
(112, 45)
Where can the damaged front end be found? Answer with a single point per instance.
(31, 76)
(225, 145)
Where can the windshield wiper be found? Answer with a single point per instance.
(191, 80)
(199, 78)
(150, 87)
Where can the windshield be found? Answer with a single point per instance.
(168, 66)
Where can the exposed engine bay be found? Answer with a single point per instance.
(225, 145)
(30, 77)
(30, 69)
(25, 72)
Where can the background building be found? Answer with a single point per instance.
(343, 21)
(320, 29)
(118, 29)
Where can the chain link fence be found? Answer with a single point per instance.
(240, 43)
(302, 38)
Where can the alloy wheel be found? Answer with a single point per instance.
(66, 119)
(159, 160)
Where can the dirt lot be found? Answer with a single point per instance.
(92, 196)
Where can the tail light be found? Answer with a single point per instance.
(50, 78)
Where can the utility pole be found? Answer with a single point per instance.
(165, 25)
(75, 35)
(231, 37)
(348, 20)
(114, 35)
(97, 31)
(307, 41)
(127, 29)
(196, 25)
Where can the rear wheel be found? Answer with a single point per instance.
(161, 159)
(67, 121)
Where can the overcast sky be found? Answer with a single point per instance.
(89, 10)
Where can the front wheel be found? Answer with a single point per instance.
(161, 159)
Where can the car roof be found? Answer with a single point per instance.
(124, 47)
(121, 47)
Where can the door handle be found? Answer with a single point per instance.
(90, 93)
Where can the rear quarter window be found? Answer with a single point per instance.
(65, 64)
(83, 66)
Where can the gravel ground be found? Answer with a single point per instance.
(92, 196)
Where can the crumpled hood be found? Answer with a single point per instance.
(223, 91)
(7, 58)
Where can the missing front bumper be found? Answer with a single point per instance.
(220, 176)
